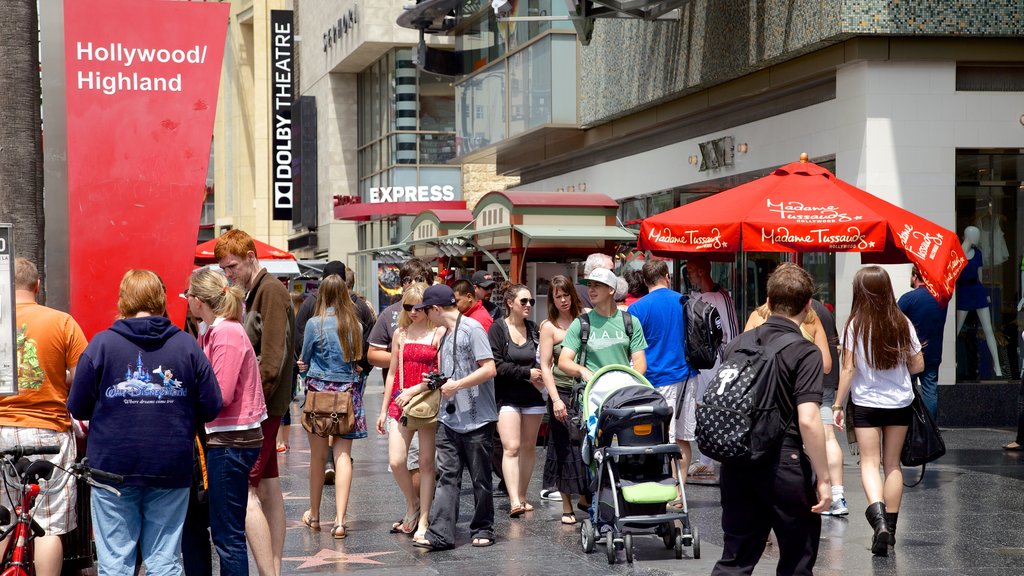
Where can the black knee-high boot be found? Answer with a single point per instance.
(880, 540)
(890, 521)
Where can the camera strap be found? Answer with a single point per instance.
(455, 341)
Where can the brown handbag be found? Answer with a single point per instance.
(328, 413)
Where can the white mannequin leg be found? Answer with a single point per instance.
(990, 338)
(961, 315)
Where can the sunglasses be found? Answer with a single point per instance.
(408, 307)
(185, 294)
(525, 301)
(410, 279)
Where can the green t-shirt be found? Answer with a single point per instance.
(607, 343)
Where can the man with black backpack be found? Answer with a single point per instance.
(704, 470)
(661, 317)
(775, 375)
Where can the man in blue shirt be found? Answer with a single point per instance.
(661, 316)
(929, 319)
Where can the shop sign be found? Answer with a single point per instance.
(282, 93)
(341, 27)
(412, 194)
(716, 153)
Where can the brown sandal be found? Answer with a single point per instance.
(339, 532)
(311, 522)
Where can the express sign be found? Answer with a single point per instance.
(412, 194)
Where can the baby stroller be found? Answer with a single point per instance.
(632, 460)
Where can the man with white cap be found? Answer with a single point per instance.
(609, 342)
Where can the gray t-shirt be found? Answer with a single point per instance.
(475, 406)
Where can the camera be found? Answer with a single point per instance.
(434, 380)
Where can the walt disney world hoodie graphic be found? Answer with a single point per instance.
(146, 387)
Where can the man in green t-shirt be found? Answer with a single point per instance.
(608, 342)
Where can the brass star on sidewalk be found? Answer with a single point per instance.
(328, 556)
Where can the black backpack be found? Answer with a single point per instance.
(740, 419)
(702, 325)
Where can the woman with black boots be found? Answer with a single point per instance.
(880, 352)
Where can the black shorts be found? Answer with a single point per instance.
(867, 417)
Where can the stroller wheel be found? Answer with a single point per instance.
(696, 544)
(610, 547)
(587, 538)
(679, 547)
(668, 535)
(627, 543)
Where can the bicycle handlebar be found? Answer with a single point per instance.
(19, 451)
(106, 476)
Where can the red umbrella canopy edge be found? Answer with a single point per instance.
(264, 251)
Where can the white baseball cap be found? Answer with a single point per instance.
(601, 276)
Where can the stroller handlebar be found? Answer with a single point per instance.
(626, 412)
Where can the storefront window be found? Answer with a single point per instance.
(406, 118)
(989, 204)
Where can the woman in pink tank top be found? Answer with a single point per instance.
(415, 354)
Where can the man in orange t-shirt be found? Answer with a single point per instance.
(49, 344)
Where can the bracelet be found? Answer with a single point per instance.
(836, 407)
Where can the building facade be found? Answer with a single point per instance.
(917, 102)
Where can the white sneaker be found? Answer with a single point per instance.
(838, 508)
(550, 494)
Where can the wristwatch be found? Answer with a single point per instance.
(836, 407)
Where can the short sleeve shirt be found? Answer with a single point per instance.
(874, 388)
(800, 366)
(607, 343)
(49, 343)
(474, 407)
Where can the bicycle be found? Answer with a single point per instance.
(25, 475)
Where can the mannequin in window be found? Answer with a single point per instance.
(971, 294)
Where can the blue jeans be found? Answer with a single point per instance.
(228, 473)
(149, 519)
(455, 453)
(929, 382)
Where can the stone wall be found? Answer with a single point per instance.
(479, 179)
(631, 65)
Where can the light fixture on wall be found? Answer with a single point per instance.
(1022, 119)
(741, 147)
(693, 160)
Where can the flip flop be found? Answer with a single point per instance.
(483, 542)
(568, 518)
(430, 546)
(407, 525)
(517, 511)
(1015, 448)
(528, 506)
(583, 507)
(677, 504)
(339, 532)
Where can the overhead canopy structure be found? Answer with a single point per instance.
(585, 12)
(264, 251)
(802, 207)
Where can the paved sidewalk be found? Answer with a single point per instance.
(967, 517)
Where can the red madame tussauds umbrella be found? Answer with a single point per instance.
(264, 251)
(802, 207)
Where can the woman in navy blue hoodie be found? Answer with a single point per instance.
(145, 386)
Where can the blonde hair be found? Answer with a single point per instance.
(141, 291)
(212, 288)
(764, 312)
(333, 294)
(413, 294)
